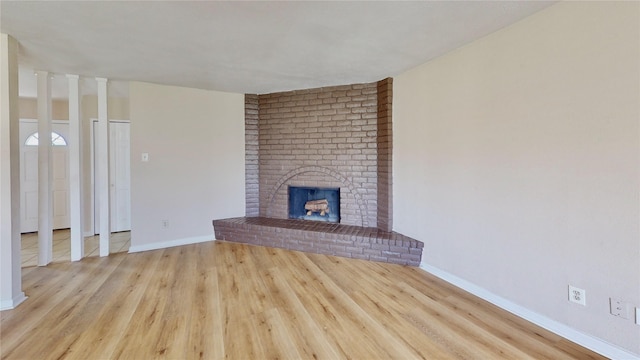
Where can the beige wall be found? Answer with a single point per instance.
(29, 109)
(516, 161)
(118, 108)
(195, 172)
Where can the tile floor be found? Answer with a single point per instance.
(120, 242)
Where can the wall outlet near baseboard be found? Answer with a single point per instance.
(620, 308)
(577, 295)
(165, 224)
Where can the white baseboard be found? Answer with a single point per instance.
(12, 303)
(171, 243)
(590, 342)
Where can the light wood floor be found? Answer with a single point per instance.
(119, 242)
(222, 300)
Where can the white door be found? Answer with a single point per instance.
(28, 180)
(60, 186)
(29, 139)
(119, 174)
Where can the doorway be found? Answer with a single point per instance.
(29, 139)
(119, 175)
(120, 190)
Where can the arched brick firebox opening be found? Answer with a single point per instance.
(345, 183)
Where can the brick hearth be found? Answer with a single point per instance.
(322, 238)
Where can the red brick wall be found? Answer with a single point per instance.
(325, 137)
(252, 182)
(385, 147)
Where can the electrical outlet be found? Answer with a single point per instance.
(620, 308)
(616, 307)
(165, 224)
(577, 295)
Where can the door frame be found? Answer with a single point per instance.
(92, 199)
(22, 140)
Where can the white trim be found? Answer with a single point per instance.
(12, 303)
(117, 121)
(590, 342)
(45, 170)
(103, 167)
(76, 171)
(172, 243)
(92, 230)
(92, 121)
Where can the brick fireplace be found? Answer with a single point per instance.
(333, 137)
(326, 137)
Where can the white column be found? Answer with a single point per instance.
(45, 178)
(10, 267)
(103, 167)
(76, 208)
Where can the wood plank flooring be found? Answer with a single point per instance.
(118, 242)
(223, 300)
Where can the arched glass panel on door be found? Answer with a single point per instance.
(56, 140)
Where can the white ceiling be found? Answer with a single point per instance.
(243, 46)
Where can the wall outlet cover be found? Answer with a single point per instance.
(621, 308)
(577, 295)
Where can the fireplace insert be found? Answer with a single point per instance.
(314, 203)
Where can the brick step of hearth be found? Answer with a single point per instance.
(322, 238)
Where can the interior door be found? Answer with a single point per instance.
(28, 179)
(29, 176)
(120, 179)
(119, 176)
(60, 186)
